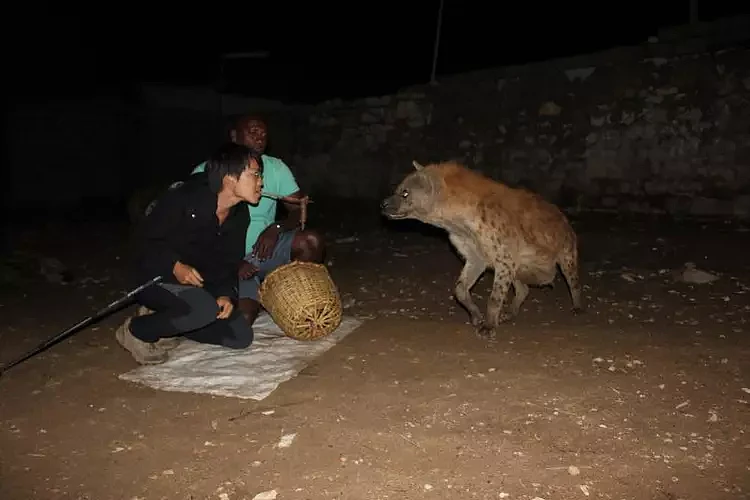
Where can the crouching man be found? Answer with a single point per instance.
(194, 237)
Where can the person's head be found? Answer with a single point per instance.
(238, 169)
(251, 131)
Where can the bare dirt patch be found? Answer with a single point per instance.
(645, 396)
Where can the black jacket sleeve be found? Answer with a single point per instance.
(231, 254)
(155, 253)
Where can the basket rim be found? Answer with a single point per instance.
(294, 263)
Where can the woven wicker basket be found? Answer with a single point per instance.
(302, 299)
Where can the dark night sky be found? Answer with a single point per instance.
(317, 52)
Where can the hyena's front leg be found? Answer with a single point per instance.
(473, 269)
(500, 288)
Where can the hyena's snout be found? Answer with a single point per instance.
(389, 206)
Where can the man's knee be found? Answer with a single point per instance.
(242, 342)
(202, 308)
(242, 333)
(308, 245)
(314, 239)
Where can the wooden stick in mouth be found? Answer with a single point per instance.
(288, 199)
(304, 201)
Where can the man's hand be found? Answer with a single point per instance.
(247, 270)
(187, 275)
(303, 202)
(296, 207)
(225, 307)
(267, 240)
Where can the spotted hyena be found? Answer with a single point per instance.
(517, 233)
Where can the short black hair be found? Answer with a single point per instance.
(237, 123)
(230, 159)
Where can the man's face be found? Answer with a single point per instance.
(254, 135)
(250, 183)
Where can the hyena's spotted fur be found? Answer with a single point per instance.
(515, 232)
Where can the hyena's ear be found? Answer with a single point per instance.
(417, 165)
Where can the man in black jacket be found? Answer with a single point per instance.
(194, 237)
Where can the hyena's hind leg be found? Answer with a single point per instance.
(520, 292)
(569, 267)
(504, 277)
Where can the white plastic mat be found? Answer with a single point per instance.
(251, 373)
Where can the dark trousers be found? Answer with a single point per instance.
(191, 312)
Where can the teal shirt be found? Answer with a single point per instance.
(277, 179)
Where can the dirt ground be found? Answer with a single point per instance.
(645, 396)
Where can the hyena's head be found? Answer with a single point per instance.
(416, 197)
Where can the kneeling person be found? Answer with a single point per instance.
(270, 244)
(194, 237)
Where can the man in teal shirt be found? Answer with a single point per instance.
(269, 244)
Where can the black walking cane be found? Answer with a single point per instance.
(79, 325)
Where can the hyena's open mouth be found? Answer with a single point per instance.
(391, 210)
(396, 215)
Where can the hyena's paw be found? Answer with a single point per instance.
(485, 331)
(507, 316)
(477, 320)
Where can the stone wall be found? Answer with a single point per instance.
(652, 128)
(660, 127)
